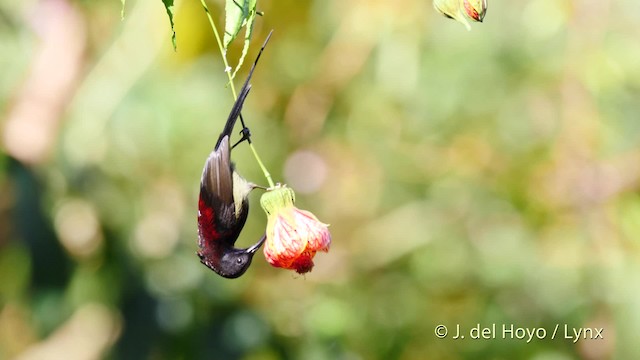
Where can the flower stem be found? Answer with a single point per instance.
(227, 69)
(262, 167)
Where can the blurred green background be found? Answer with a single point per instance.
(479, 177)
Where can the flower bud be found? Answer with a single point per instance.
(475, 9)
(293, 235)
(461, 10)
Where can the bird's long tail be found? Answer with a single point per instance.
(237, 106)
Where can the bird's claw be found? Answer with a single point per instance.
(246, 136)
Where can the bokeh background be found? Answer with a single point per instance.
(481, 177)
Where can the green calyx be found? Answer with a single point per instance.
(277, 198)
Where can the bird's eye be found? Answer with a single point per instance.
(239, 260)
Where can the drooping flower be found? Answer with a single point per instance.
(461, 10)
(293, 235)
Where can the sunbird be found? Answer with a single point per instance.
(223, 205)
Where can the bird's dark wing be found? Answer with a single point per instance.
(217, 176)
(216, 208)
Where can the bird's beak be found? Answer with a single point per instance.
(257, 245)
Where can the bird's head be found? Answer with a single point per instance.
(233, 262)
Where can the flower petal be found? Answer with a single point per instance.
(283, 244)
(303, 263)
(316, 232)
(475, 9)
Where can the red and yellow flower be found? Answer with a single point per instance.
(293, 235)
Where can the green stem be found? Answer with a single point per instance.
(227, 69)
(262, 167)
(223, 52)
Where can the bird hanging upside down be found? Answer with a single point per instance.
(223, 205)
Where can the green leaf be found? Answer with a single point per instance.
(247, 38)
(239, 14)
(236, 13)
(122, 10)
(168, 5)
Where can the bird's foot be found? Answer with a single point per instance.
(246, 136)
